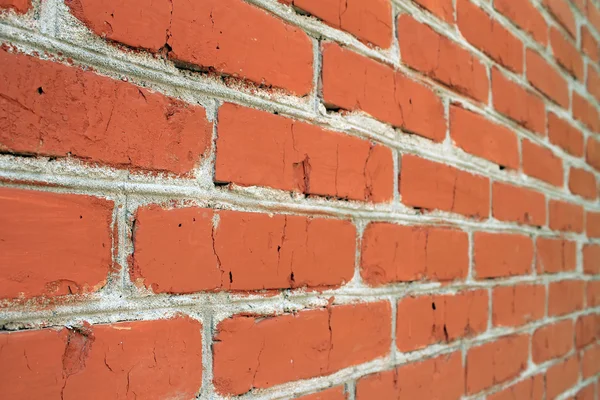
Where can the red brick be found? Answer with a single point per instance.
(518, 104)
(369, 21)
(587, 330)
(592, 221)
(547, 79)
(431, 185)
(529, 389)
(203, 34)
(502, 254)
(566, 216)
(356, 83)
(583, 183)
(565, 297)
(258, 352)
(566, 54)
(589, 45)
(555, 255)
(561, 377)
(245, 251)
(587, 393)
(336, 393)
(524, 15)
(552, 341)
(593, 15)
(518, 305)
(19, 6)
(398, 253)
(565, 135)
(517, 204)
(593, 81)
(489, 36)
(592, 154)
(147, 359)
(257, 148)
(51, 109)
(53, 244)
(561, 11)
(443, 9)
(426, 320)
(540, 162)
(586, 113)
(496, 362)
(590, 361)
(591, 259)
(440, 378)
(441, 59)
(477, 135)
(593, 293)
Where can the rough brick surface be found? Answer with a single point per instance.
(348, 84)
(53, 244)
(182, 251)
(370, 22)
(300, 199)
(250, 352)
(431, 185)
(149, 359)
(54, 110)
(397, 253)
(204, 35)
(309, 160)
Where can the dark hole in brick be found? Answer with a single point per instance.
(433, 306)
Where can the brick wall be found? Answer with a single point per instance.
(316, 199)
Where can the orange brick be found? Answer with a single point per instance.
(431, 185)
(502, 254)
(587, 330)
(540, 162)
(552, 341)
(593, 81)
(524, 15)
(561, 11)
(528, 389)
(441, 59)
(590, 362)
(565, 216)
(593, 293)
(563, 134)
(583, 183)
(566, 54)
(555, 255)
(589, 45)
(547, 79)
(591, 259)
(586, 113)
(565, 297)
(397, 253)
(517, 204)
(19, 6)
(336, 393)
(426, 320)
(562, 376)
(517, 305)
(592, 155)
(441, 8)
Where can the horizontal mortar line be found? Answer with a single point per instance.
(104, 305)
(165, 191)
(225, 93)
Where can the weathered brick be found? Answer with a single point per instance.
(148, 359)
(181, 251)
(501, 254)
(565, 135)
(565, 297)
(257, 148)
(203, 34)
(370, 22)
(524, 15)
(431, 185)
(552, 341)
(517, 103)
(477, 135)
(292, 347)
(441, 59)
(489, 36)
(426, 320)
(496, 362)
(353, 82)
(587, 329)
(55, 110)
(547, 79)
(398, 253)
(583, 183)
(565, 216)
(53, 244)
(566, 54)
(440, 378)
(561, 376)
(518, 304)
(541, 162)
(555, 255)
(517, 204)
